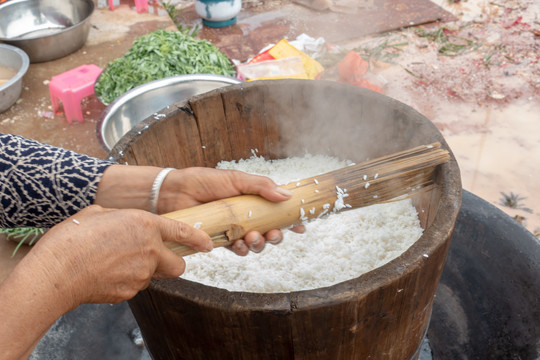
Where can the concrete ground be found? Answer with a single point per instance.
(485, 100)
(479, 83)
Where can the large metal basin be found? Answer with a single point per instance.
(46, 29)
(17, 60)
(488, 302)
(143, 101)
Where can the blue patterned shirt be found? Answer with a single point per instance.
(41, 185)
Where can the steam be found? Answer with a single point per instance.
(348, 122)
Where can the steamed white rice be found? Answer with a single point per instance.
(334, 249)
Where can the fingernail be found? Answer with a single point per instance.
(240, 246)
(209, 246)
(284, 192)
(256, 242)
(274, 239)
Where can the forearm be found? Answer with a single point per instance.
(126, 187)
(30, 302)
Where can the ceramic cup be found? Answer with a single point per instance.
(218, 13)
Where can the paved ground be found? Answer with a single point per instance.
(478, 80)
(486, 101)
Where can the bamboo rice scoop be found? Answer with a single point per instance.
(388, 178)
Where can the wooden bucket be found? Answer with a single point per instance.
(382, 314)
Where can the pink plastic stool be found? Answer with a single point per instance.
(71, 87)
(141, 5)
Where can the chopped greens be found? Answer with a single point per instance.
(448, 42)
(22, 235)
(386, 51)
(158, 55)
(173, 13)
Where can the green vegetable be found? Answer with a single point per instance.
(449, 43)
(157, 55)
(173, 13)
(22, 235)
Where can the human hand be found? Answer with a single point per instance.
(197, 185)
(96, 256)
(106, 256)
(189, 187)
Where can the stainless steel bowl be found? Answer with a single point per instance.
(45, 29)
(143, 101)
(17, 60)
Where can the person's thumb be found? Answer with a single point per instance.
(169, 264)
(261, 185)
(181, 233)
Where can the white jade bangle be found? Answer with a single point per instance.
(156, 186)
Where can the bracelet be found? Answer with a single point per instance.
(156, 186)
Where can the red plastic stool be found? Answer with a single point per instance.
(71, 87)
(141, 5)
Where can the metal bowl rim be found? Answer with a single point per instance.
(23, 68)
(153, 85)
(67, 29)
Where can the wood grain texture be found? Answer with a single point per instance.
(178, 129)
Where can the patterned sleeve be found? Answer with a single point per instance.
(41, 185)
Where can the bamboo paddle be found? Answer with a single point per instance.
(387, 178)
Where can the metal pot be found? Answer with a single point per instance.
(45, 29)
(16, 59)
(144, 100)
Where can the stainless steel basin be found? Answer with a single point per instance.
(143, 101)
(17, 60)
(45, 29)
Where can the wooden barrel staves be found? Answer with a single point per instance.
(382, 314)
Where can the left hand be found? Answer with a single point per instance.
(96, 256)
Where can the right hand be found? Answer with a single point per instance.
(106, 256)
(122, 185)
